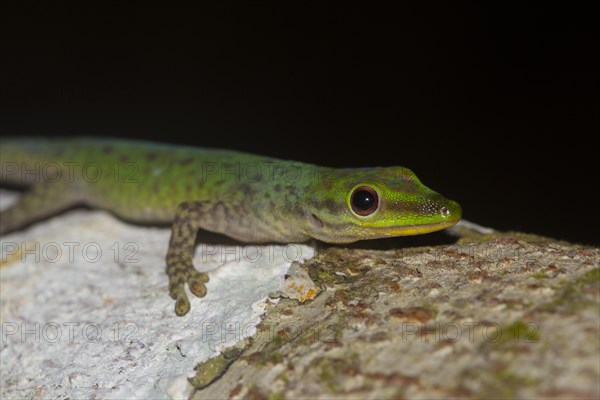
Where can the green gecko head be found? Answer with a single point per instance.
(347, 205)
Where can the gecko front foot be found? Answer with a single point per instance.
(182, 272)
(179, 256)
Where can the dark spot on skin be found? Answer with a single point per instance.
(186, 161)
(255, 177)
(290, 198)
(292, 204)
(225, 209)
(326, 183)
(410, 186)
(329, 204)
(313, 204)
(151, 156)
(107, 149)
(245, 188)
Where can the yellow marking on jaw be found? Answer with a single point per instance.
(416, 229)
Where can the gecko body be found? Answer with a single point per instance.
(247, 197)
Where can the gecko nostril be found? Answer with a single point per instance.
(445, 211)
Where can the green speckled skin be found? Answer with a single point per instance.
(247, 197)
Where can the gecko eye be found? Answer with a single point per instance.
(364, 201)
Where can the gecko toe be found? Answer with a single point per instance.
(181, 273)
(176, 284)
(174, 289)
(177, 292)
(197, 287)
(197, 275)
(182, 305)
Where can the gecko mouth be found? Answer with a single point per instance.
(415, 229)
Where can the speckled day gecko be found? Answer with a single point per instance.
(247, 197)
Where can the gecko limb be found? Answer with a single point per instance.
(188, 220)
(41, 201)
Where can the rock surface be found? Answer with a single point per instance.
(489, 316)
(85, 311)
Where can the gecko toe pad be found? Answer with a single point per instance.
(179, 275)
(182, 305)
(197, 287)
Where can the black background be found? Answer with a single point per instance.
(493, 106)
